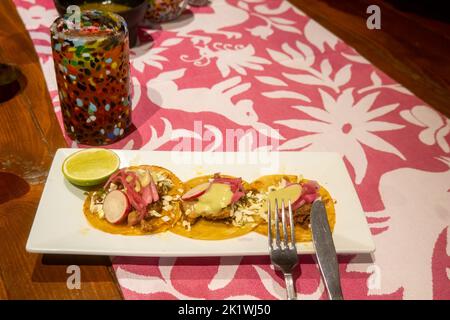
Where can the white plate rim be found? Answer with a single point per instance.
(351, 235)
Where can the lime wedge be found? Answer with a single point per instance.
(90, 167)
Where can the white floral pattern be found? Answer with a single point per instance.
(147, 54)
(319, 36)
(377, 84)
(430, 210)
(302, 58)
(436, 127)
(37, 16)
(344, 126)
(228, 57)
(264, 31)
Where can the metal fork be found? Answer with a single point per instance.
(283, 253)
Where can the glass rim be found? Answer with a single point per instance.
(118, 23)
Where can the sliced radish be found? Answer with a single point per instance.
(196, 191)
(309, 194)
(234, 183)
(116, 207)
(292, 193)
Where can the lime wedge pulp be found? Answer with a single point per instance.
(90, 167)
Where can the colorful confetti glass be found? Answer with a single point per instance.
(165, 10)
(198, 3)
(93, 75)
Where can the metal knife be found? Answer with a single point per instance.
(325, 250)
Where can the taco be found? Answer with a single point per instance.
(217, 207)
(136, 200)
(301, 192)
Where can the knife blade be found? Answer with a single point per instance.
(325, 250)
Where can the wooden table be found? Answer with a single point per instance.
(29, 137)
(410, 48)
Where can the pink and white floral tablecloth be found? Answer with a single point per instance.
(265, 65)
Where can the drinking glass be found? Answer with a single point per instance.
(92, 69)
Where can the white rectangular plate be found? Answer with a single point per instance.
(60, 227)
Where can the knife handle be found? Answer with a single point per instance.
(334, 290)
(330, 273)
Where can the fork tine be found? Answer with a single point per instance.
(283, 257)
(277, 227)
(269, 224)
(291, 223)
(283, 221)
